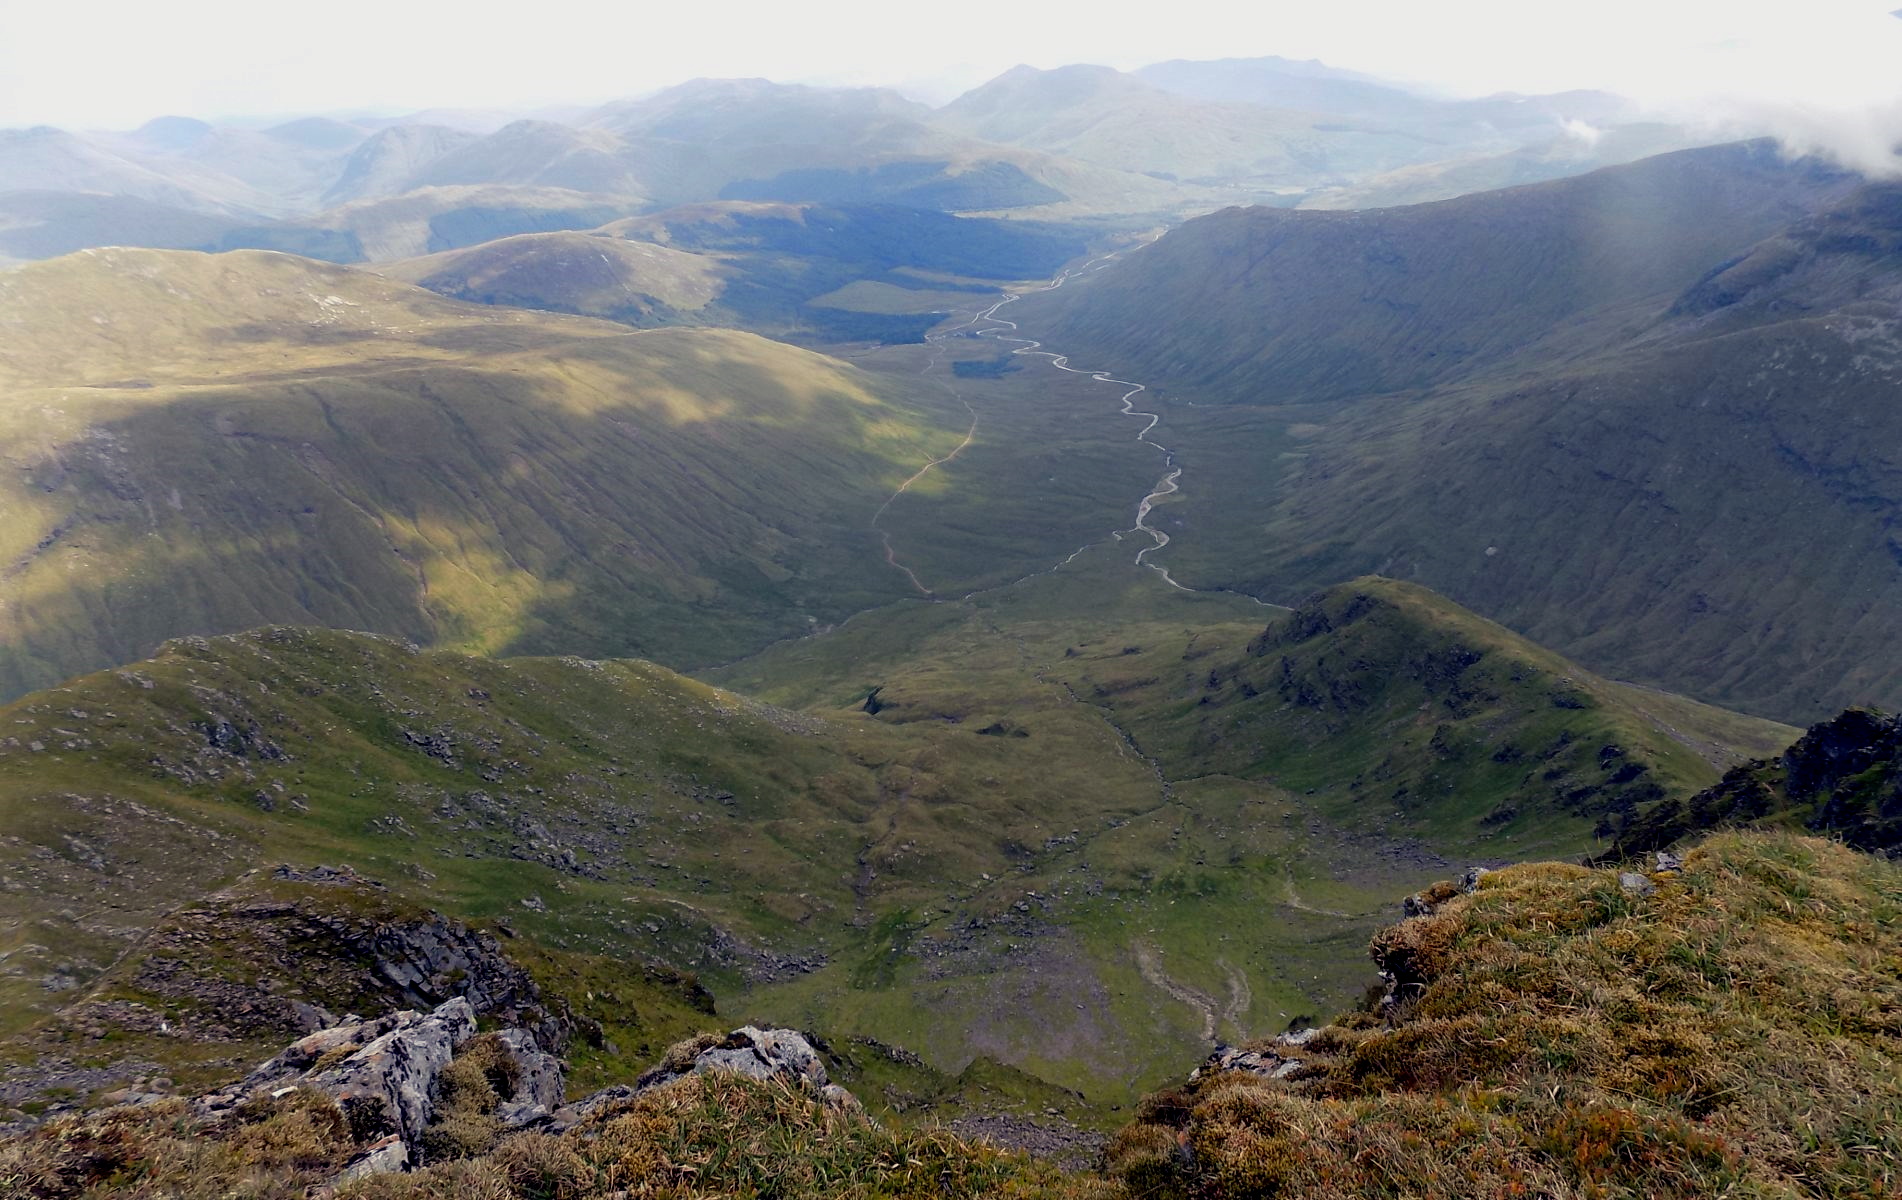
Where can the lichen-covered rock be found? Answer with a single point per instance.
(538, 1088)
(1273, 1059)
(382, 1073)
(383, 1157)
(765, 1054)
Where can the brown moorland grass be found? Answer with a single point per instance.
(1733, 1028)
(1736, 1031)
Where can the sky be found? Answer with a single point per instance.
(107, 64)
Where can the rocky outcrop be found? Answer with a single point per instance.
(779, 1055)
(538, 1082)
(1273, 1059)
(1843, 778)
(381, 1073)
(281, 951)
(386, 1076)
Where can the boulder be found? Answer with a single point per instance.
(381, 1158)
(765, 1054)
(382, 1073)
(538, 1089)
(1271, 1060)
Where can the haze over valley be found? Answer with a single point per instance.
(859, 635)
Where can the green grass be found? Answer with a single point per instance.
(1043, 850)
(480, 478)
(1487, 400)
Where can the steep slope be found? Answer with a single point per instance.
(209, 442)
(1465, 726)
(1563, 421)
(1847, 258)
(1638, 504)
(1271, 306)
(385, 162)
(1727, 1028)
(1841, 778)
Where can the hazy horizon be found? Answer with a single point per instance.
(222, 60)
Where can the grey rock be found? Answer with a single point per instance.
(766, 1054)
(313, 1017)
(539, 1089)
(1469, 879)
(1635, 883)
(398, 1070)
(1266, 1063)
(1668, 861)
(382, 1158)
(382, 1072)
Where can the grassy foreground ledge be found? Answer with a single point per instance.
(1730, 1028)
(1733, 1028)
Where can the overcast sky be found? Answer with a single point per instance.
(117, 63)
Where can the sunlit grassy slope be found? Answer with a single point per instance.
(203, 443)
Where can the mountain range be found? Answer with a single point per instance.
(1077, 142)
(1025, 591)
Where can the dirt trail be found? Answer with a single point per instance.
(1149, 962)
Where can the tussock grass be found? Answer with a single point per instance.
(718, 1135)
(1738, 1032)
(1734, 1032)
(722, 1135)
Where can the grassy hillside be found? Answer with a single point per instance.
(605, 808)
(1639, 513)
(790, 271)
(206, 443)
(1271, 306)
(1035, 833)
(1537, 431)
(1383, 705)
(1725, 1029)
(1445, 740)
(635, 283)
